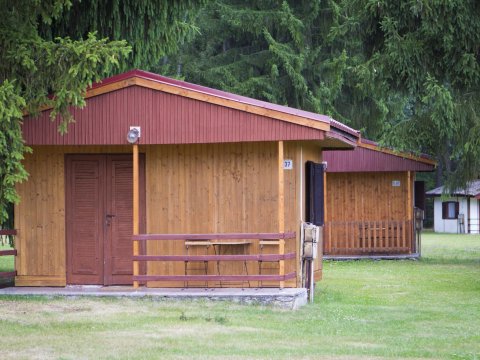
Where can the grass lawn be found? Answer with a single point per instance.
(363, 310)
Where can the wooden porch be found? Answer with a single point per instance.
(357, 238)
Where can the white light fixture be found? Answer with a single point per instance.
(133, 134)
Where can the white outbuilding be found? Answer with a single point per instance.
(458, 212)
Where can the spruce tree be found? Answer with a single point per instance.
(50, 53)
(286, 52)
(269, 50)
(405, 73)
(421, 61)
(153, 28)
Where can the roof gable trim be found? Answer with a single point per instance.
(398, 154)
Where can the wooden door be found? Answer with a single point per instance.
(118, 221)
(85, 210)
(99, 218)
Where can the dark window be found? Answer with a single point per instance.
(420, 194)
(315, 211)
(450, 209)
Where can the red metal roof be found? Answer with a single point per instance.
(369, 157)
(175, 112)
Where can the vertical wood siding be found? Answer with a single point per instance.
(190, 189)
(214, 189)
(40, 216)
(40, 220)
(358, 200)
(366, 196)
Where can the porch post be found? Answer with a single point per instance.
(281, 210)
(409, 197)
(409, 230)
(135, 211)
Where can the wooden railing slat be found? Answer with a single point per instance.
(8, 274)
(143, 278)
(223, 236)
(263, 257)
(8, 232)
(8, 252)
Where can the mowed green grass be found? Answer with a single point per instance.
(363, 310)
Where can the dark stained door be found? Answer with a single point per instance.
(99, 219)
(118, 245)
(84, 212)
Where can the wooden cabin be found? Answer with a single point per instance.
(211, 194)
(370, 199)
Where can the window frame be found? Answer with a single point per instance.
(445, 210)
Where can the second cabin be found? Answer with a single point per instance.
(371, 194)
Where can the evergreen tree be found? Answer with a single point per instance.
(38, 66)
(287, 52)
(421, 61)
(153, 28)
(276, 51)
(404, 72)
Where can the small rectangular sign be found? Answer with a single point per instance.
(288, 164)
(396, 183)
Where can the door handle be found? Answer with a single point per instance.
(108, 219)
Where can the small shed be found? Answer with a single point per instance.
(370, 196)
(211, 194)
(457, 212)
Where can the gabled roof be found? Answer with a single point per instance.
(203, 93)
(472, 190)
(221, 110)
(219, 97)
(368, 156)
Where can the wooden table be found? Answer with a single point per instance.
(217, 246)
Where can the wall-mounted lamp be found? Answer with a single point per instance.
(133, 134)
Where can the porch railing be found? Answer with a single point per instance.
(6, 275)
(213, 240)
(473, 226)
(368, 237)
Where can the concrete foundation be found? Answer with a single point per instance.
(288, 298)
(371, 257)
